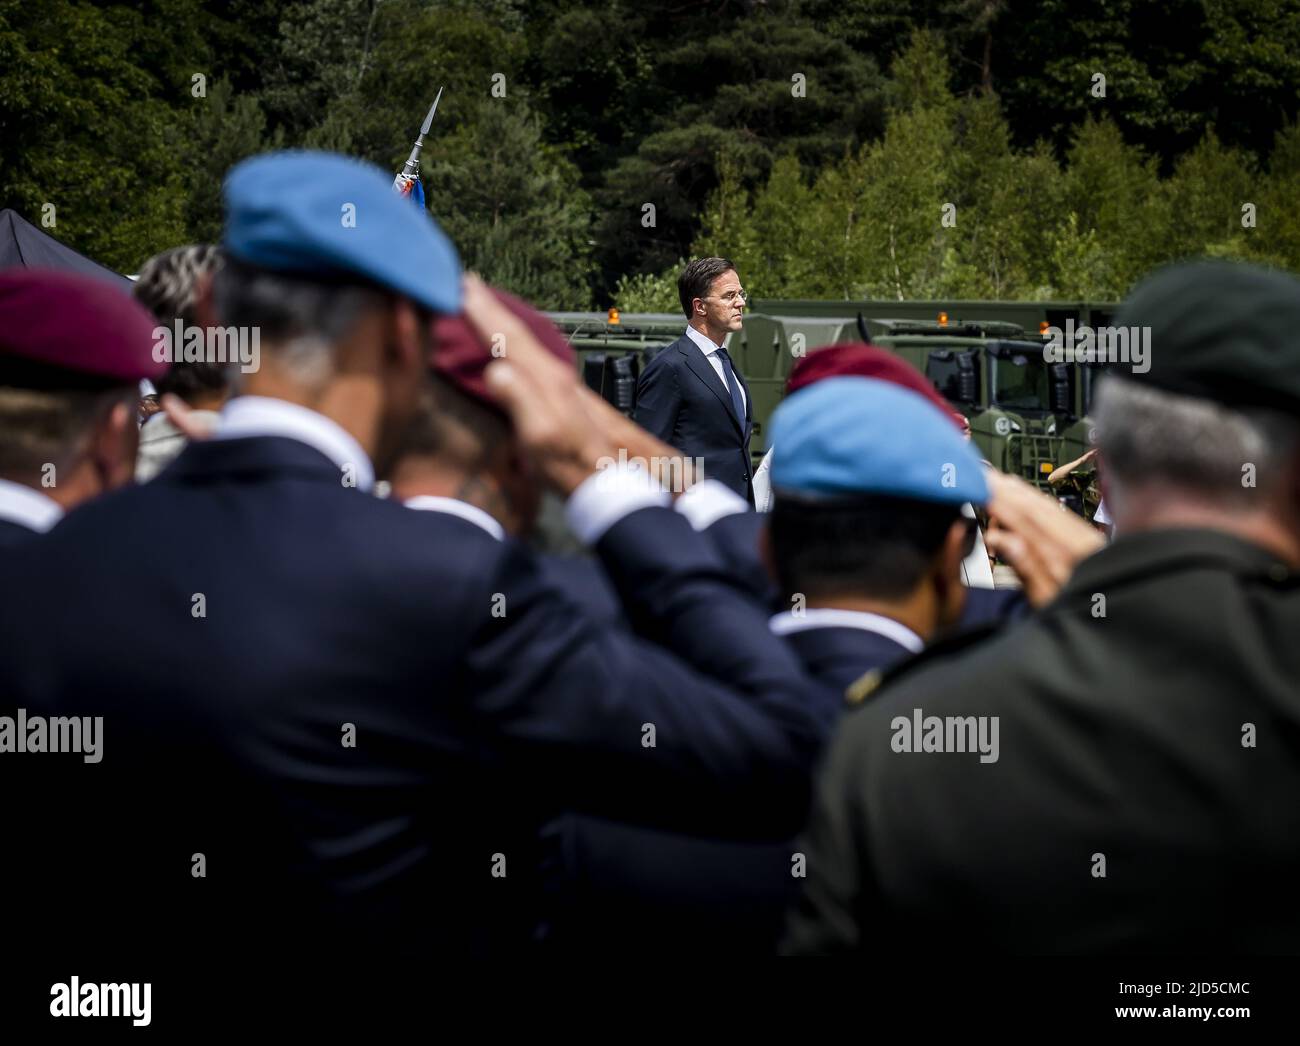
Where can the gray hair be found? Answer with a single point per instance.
(168, 281)
(1151, 435)
(300, 319)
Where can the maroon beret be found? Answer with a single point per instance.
(864, 361)
(458, 355)
(61, 328)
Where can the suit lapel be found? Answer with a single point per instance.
(703, 369)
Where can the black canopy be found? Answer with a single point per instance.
(22, 244)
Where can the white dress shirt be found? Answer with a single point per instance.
(246, 416)
(829, 617)
(710, 351)
(456, 507)
(763, 483)
(600, 501)
(28, 507)
(1101, 515)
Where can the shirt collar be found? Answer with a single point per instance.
(829, 617)
(706, 346)
(28, 507)
(246, 416)
(463, 509)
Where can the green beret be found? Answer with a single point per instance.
(1222, 331)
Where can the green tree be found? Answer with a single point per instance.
(513, 206)
(1203, 200)
(1276, 236)
(85, 128)
(757, 87)
(223, 130)
(1113, 189)
(650, 291)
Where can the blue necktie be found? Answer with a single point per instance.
(733, 387)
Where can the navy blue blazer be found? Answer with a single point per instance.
(360, 714)
(619, 887)
(13, 534)
(839, 656)
(681, 399)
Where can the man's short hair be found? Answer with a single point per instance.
(878, 546)
(167, 287)
(453, 426)
(1151, 435)
(697, 278)
(40, 427)
(300, 319)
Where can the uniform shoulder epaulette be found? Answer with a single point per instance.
(867, 684)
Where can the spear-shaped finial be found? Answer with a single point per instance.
(411, 169)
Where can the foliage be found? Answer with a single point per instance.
(985, 164)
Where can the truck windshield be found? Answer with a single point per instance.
(1019, 380)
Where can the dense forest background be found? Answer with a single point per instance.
(895, 148)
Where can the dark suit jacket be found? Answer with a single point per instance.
(681, 399)
(839, 656)
(616, 887)
(13, 534)
(351, 708)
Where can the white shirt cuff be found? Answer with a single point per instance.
(606, 496)
(707, 502)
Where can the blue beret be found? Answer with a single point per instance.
(851, 435)
(318, 213)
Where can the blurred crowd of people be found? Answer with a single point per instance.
(354, 700)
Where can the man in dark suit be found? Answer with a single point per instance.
(332, 725)
(690, 395)
(72, 352)
(1105, 776)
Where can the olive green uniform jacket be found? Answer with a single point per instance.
(1145, 795)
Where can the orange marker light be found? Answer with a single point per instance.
(613, 316)
(1042, 327)
(943, 319)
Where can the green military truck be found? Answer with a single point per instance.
(1027, 415)
(996, 375)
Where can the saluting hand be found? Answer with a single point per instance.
(564, 425)
(1036, 536)
(542, 396)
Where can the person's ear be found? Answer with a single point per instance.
(520, 485)
(950, 592)
(408, 336)
(113, 446)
